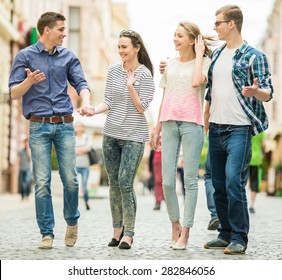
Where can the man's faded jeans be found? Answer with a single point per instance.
(42, 136)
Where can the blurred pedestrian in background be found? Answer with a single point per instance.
(214, 221)
(40, 75)
(24, 160)
(238, 83)
(156, 159)
(180, 173)
(129, 91)
(258, 149)
(83, 146)
(181, 122)
(151, 180)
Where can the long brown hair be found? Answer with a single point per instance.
(137, 42)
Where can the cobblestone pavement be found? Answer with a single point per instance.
(20, 236)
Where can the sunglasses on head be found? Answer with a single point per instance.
(128, 33)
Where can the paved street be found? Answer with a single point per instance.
(20, 236)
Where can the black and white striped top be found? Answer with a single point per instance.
(123, 120)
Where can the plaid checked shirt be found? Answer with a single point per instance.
(248, 63)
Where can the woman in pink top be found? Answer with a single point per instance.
(181, 122)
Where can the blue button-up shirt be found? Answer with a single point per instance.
(49, 97)
(248, 63)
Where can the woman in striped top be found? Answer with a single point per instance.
(129, 91)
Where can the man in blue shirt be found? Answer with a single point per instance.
(40, 75)
(238, 83)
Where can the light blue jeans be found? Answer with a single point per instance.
(191, 136)
(122, 158)
(42, 136)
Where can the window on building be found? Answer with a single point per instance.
(74, 30)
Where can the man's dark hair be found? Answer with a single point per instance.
(48, 19)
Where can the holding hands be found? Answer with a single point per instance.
(86, 110)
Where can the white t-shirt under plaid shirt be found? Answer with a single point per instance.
(123, 120)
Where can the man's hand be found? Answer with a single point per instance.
(86, 110)
(259, 93)
(162, 66)
(34, 77)
(250, 91)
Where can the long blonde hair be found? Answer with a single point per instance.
(193, 32)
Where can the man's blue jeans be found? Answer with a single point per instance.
(42, 136)
(230, 155)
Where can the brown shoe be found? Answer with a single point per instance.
(71, 236)
(46, 242)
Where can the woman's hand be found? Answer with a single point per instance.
(200, 46)
(162, 66)
(131, 77)
(155, 141)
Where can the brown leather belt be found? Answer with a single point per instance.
(53, 119)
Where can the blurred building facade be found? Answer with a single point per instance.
(9, 33)
(271, 44)
(92, 30)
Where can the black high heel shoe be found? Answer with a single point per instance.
(114, 242)
(125, 246)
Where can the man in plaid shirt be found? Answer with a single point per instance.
(238, 83)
